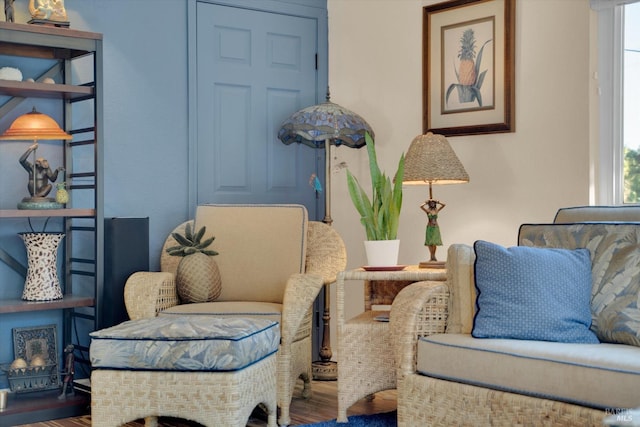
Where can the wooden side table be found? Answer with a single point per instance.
(366, 362)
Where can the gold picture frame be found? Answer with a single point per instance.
(468, 67)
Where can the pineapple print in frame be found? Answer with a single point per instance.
(470, 70)
(198, 276)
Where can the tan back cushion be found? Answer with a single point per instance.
(259, 247)
(597, 214)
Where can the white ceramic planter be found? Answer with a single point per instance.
(382, 253)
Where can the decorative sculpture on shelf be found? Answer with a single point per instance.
(40, 174)
(35, 126)
(48, 12)
(42, 282)
(69, 370)
(62, 195)
(8, 10)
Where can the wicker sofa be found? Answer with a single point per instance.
(453, 378)
(273, 262)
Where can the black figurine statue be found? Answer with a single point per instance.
(8, 10)
(43, 173)
(69, 370)
(40, 182)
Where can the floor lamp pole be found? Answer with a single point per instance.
(327, 179)
(324, 369)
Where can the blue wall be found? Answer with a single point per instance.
(146, 104)
(145, 108)
(146, 127)
(145, 132)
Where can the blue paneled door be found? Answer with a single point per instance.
(254, 70)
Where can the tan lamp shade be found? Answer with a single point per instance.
(431, 160)
(34, 126)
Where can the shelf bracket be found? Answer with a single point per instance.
(13, 263)
(13, 102)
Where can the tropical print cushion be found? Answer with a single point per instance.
(186, 343)
(615, 255)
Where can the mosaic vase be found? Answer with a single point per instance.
(42, 282)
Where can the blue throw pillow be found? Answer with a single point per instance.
(527, 293)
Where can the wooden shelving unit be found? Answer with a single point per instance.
(43, 406)
(44, 90)
(82, 275)
(20, 306)
(45, 213)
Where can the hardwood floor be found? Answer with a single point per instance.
(322, 406)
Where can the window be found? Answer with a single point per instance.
(631, 104)
(617, 176)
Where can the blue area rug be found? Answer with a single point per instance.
(388, 419)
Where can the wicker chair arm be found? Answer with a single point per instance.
(462, 294)
(148, 293)
(326, 253)
(420, 309)
(299, 295)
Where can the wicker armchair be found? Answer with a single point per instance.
(432, 400)
(248, 238)
(423, 400)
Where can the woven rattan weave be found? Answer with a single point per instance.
(209, 398)
(427, 401)
(366, 363)
(146, 294)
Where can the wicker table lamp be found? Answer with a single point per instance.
(431, 160)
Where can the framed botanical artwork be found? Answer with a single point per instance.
(468, 67)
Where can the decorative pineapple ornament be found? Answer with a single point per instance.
(62, 195)
(197, 277)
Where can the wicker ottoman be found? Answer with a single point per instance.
(210, 370)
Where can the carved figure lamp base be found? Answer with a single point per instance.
(325, 371)
(432, 264)
(39, 203)
(63, 24)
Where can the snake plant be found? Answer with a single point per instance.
(380, 215)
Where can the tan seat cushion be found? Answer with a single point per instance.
(265, 310)
(250, 309)
(597, 375)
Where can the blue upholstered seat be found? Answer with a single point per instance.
(185, 343)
